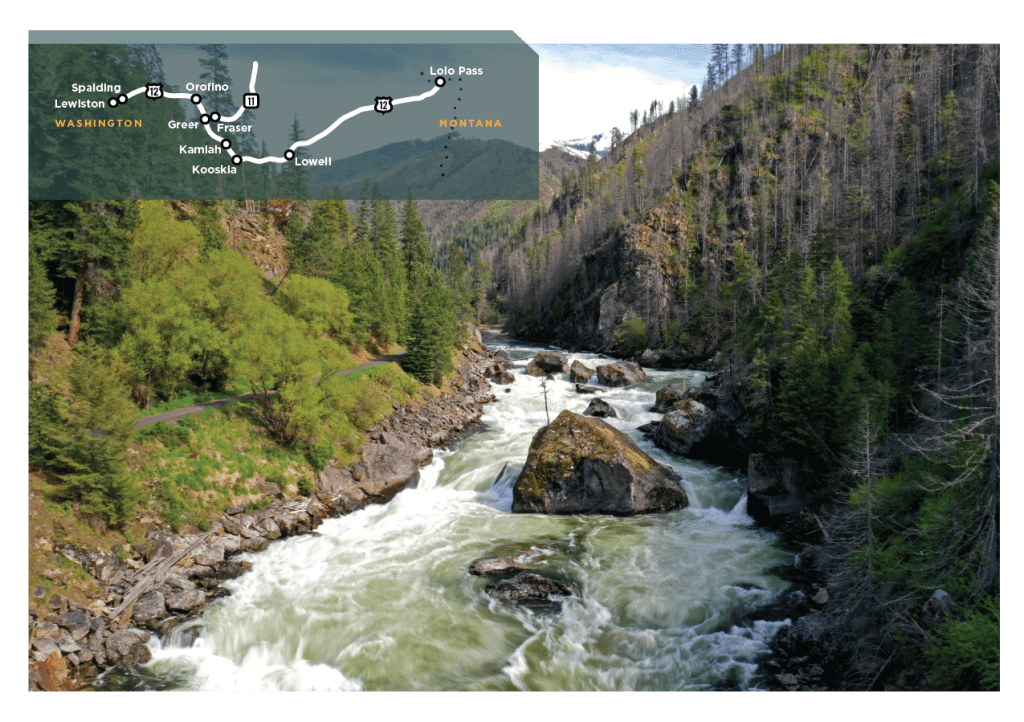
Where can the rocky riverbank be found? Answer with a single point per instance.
(150, 592)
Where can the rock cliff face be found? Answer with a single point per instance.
(628, 277)
(581, 465)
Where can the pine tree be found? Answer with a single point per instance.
(836, 307)
(416, 248)
(89, 239)
(84, 439)
(384, 226)
(344, 221)
(216, 72)
(737, 57)
(294, 179)
(41, 297)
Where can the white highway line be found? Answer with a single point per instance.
(297, 144)
(357, 111)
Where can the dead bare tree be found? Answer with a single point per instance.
(961, 411)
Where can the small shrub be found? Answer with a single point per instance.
(258, 504)
(306, 487)
(319, 454)
(632, 332)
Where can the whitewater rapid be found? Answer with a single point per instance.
(381, 599)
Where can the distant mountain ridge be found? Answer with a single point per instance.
(579, 147)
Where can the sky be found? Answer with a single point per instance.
(589, 89)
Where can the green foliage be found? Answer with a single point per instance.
(258, 504)
(170, 436)
(320, 307)
(320, 454)
(83, 435)
(41, 298)
(966, 653)
(431, 333)
(632, 333)
(172, 506)
(305, 485)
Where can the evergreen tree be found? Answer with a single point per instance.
(294, 179)
(344, 221)
(216, 72)
(737, 57)
(86, 240)
(41, 296)
(84, 437)
(364, 213)
(431, 334)
(836, 307)
(384, 226)
(363, 278)
(416, 248)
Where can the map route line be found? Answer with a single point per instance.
(237, 158)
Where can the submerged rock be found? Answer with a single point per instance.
(588, 389)
(582, 465)
(622, 373)
(600, 408)
(499, 565)
(527, 586)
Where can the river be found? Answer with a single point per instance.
(381, 600)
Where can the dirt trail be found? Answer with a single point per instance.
(173, 416)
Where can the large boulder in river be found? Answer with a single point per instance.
(622, 373)
(582, 465)
(665, 397)
(685, 425)
(580, 373)
(547, 362)
(387, 467)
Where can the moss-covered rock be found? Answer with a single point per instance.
(582, 465)
(622, 373)
(685, 425)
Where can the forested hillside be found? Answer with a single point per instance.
(824, 222)
(142, 307)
